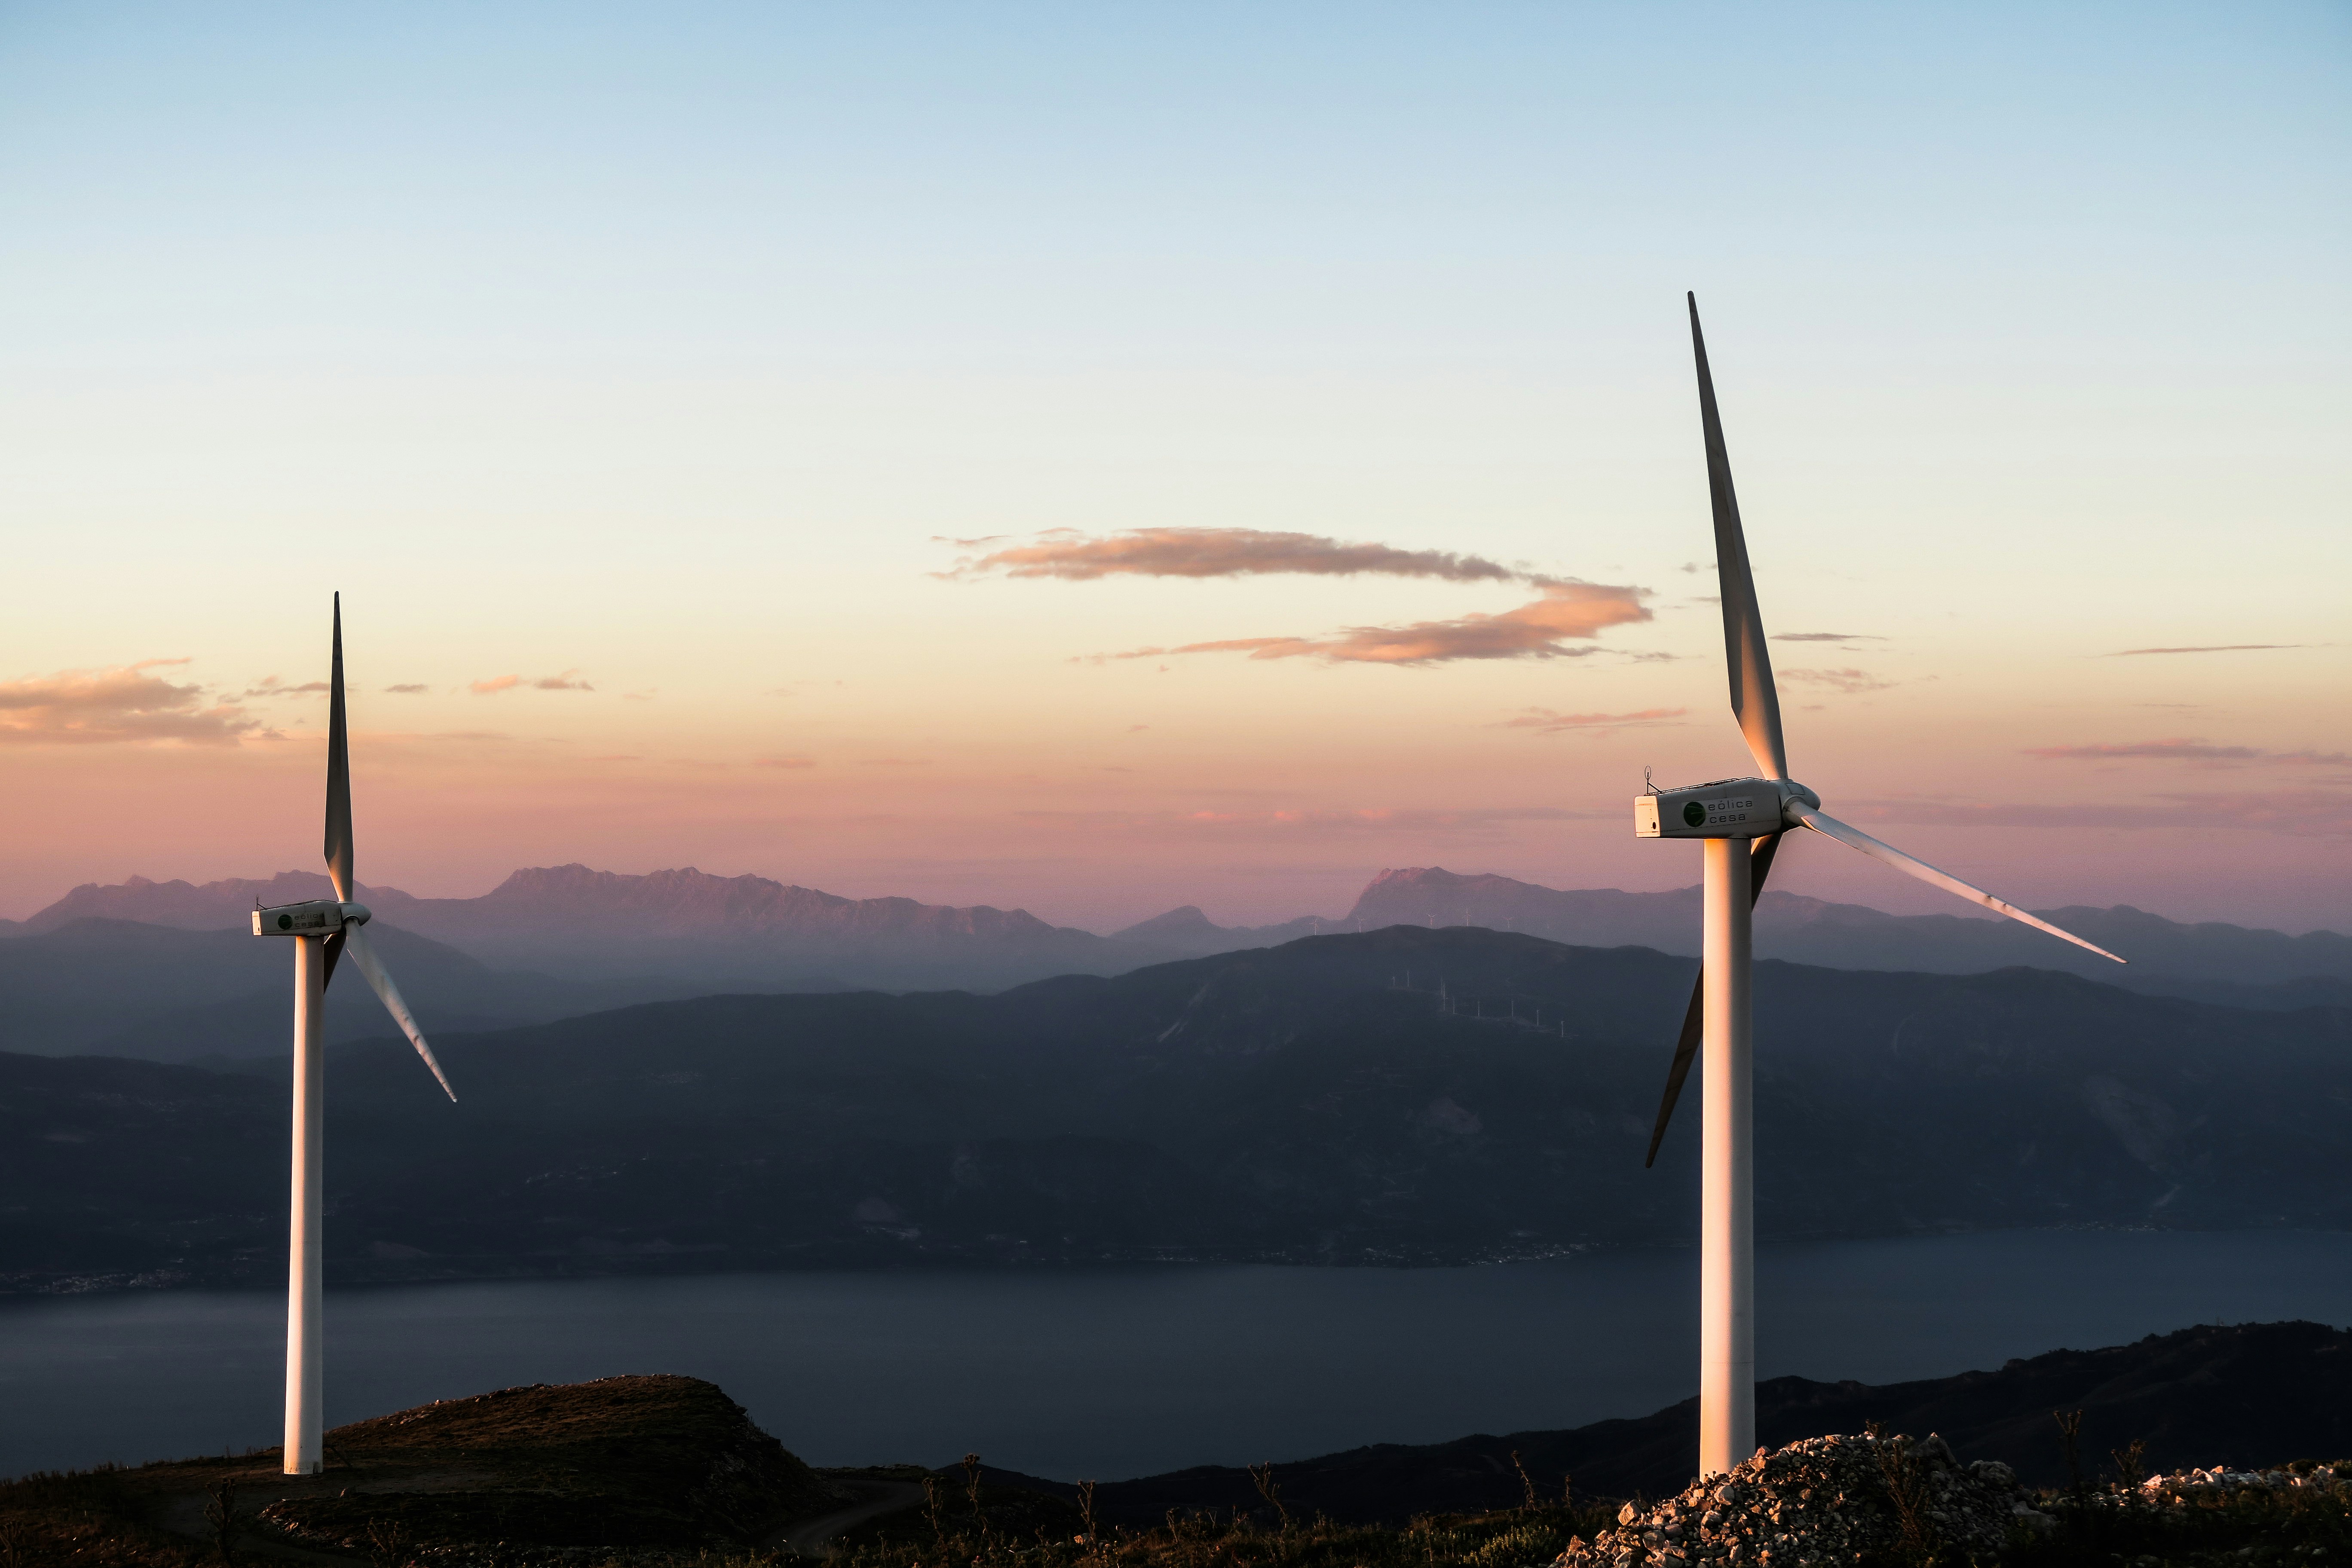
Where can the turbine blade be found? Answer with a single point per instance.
(1911, 866)
(334, 951)
(370, 965)
(1755, 700)
(339, 773)
(1760, 864)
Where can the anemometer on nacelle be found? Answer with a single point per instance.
(319, 917)
(1728, 808)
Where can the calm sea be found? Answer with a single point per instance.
(1111, 1372)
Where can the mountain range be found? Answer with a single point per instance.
(1393, 1096)
(113, 968)
(2209, 960)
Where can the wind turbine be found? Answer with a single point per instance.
(323, 929)
(1741, 821)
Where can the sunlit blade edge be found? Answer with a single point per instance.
(1854, 837)
(364, 956)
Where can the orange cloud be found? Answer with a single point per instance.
(563, 682)
(1567, 611)
(123, 704)
(1221, 553)
(1550, 724)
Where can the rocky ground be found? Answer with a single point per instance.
(1826, 1500)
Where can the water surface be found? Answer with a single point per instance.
(1111, 1372)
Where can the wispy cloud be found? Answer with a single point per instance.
(408, 689)
(1567, 612)
(1825, 637)
(270, 686)
(498, 683)
(2303, 813)
(2184, 749)
(1545, 722)
(123, 704)
(1073, 557)
(894, 761)
(1318, 823)
(1848, 681)
(784, 762)
(2218, 647)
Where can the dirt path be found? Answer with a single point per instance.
(813, 1537)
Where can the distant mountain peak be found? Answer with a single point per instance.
(1185, 920)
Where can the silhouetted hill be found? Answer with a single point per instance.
(2210, 960)
(1293, 1103)
(2249, 1395)
(662, 1465)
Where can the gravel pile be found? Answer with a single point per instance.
(2200, 1489)
(1823, 1500)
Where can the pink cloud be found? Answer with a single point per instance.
(1315, 823)
(1221, 553)
(120, 705)
(2184, 751)
(407, 689)
(1546, 721)
(1848, 681)
(1567, 611)
(2218, 647)
(2307, 814)
(270, 686)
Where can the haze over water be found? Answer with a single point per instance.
(1115, 1372)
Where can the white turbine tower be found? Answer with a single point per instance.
(322, 929)
(1741, 821)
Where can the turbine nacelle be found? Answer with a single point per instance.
(1728, 808)
(317, 916)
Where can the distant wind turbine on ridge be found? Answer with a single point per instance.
(323, 931)
(1741, 821)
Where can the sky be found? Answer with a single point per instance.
(1098, 458)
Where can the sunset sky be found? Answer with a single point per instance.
(820, 442)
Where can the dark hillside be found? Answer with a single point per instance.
(2251, 1396)
(618, 1464)
(1296, 1103)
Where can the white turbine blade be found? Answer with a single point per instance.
(1755, 700)
(1831, 827)
(364, 956)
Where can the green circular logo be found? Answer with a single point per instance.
(285, 922)
(1694, 813)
